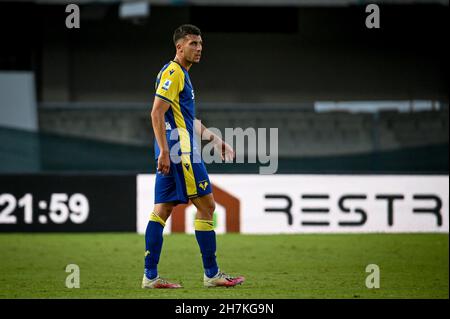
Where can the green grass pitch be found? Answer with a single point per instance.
(275, 266)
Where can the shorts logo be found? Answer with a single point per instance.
(203, 185)
(187, 166)
(166, 85)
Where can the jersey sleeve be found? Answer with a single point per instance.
(170, 84)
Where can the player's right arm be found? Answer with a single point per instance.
(171, 82)
(160, 107)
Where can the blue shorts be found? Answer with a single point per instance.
(184, 181)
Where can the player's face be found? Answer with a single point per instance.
(192, 48)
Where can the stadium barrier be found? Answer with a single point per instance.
(248, 204)
(258, 204)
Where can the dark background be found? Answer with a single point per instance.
(262, 66)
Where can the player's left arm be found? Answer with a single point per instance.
(226, 151)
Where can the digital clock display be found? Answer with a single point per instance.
(67, 202)
(60, 208)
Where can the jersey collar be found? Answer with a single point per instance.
(182, 67)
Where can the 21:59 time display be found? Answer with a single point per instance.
(59, 209)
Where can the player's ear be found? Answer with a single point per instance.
(179, 45)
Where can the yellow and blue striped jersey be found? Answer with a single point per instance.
(174, 86)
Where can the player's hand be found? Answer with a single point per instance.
(164, 163)
(227, 152)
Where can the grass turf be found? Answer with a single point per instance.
(275, 266)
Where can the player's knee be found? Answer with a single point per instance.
(206, 211)
(167, 213)
(210, 208)
(163, 212)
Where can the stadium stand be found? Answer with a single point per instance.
(311, 133)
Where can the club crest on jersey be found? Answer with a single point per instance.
(166, 85)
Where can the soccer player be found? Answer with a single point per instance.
(180, 175)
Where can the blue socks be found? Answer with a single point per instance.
(204, 233)
(153, 245)
(206, 238)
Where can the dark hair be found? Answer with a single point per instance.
(185, 30)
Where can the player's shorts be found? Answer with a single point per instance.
(182, 184)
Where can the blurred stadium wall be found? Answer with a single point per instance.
(94, 85)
